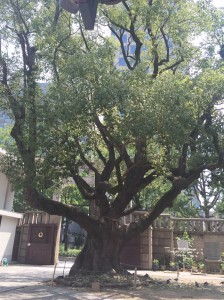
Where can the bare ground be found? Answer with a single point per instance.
(163, 285)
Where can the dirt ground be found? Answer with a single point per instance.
(164, 285)
(188, 286)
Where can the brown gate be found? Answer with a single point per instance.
(41, 244)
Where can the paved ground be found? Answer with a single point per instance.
(16, 276)
(35, 282)
(22, 282)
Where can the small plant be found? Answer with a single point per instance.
(222, 267)
(69, 252)
(187, 238)
(201, 266)
(185, 254)
(173, 265)
(155, 264)
(188, 261)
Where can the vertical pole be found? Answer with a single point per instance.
(64, 269)
(150, 229)
(178, 271)
(135, 278)
(55, 266)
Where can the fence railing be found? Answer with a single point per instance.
(181, 224)
(35, 217)
(163, 221)
(190, 224)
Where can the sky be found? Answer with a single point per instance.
(218, 3)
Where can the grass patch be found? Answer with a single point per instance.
(69, 252)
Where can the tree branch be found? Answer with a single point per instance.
(39, 201)
(85, 160)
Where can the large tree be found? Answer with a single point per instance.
(207, 192)
(154, 124)
(204, 198)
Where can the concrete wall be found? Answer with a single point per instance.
(56, 220)
(7, 235)
(146, 249)
(6, 194)
(160, 241)
(204, 244)
(162, 244)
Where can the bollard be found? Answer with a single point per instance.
(5, 262)
(135, 278)
(64, 269)
(178, 271)
(54, 274)
(95, 286)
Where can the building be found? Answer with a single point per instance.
(8, 219)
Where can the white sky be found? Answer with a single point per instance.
(218, 3)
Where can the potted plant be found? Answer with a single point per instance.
(201, 267)
(222, 268)
(222, 256)
(173, 266)
(155, 264)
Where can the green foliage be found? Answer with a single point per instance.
(201, 265)
(184, 207)
(187, 238)
(69, 252)
(203, 198)
(70, 195)
(185, 258)
(143, 134)
(222, 266)
(19, 204)
(156, 262)
(219, 209)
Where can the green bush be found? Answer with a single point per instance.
(69, 252)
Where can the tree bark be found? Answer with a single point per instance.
(100, 254)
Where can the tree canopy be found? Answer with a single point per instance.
(157, 123)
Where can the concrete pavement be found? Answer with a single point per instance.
(17, 276)
(23, 282)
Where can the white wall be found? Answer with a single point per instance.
(6, 195)
(7, 235)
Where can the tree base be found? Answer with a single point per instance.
(98, 256)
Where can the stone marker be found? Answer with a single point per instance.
(95, 286)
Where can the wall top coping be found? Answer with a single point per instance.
(178, 218)
(10, 214)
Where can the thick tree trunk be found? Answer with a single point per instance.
(99, 254)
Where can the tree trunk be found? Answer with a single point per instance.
(99, 254)
(207, 213)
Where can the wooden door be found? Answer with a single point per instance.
(41, 244)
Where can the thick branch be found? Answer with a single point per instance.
(164, 202)
(85, 160)
(109, 141)
(85, 189)
(39, 201)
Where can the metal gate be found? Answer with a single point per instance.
(41, 244)
(37, 239)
